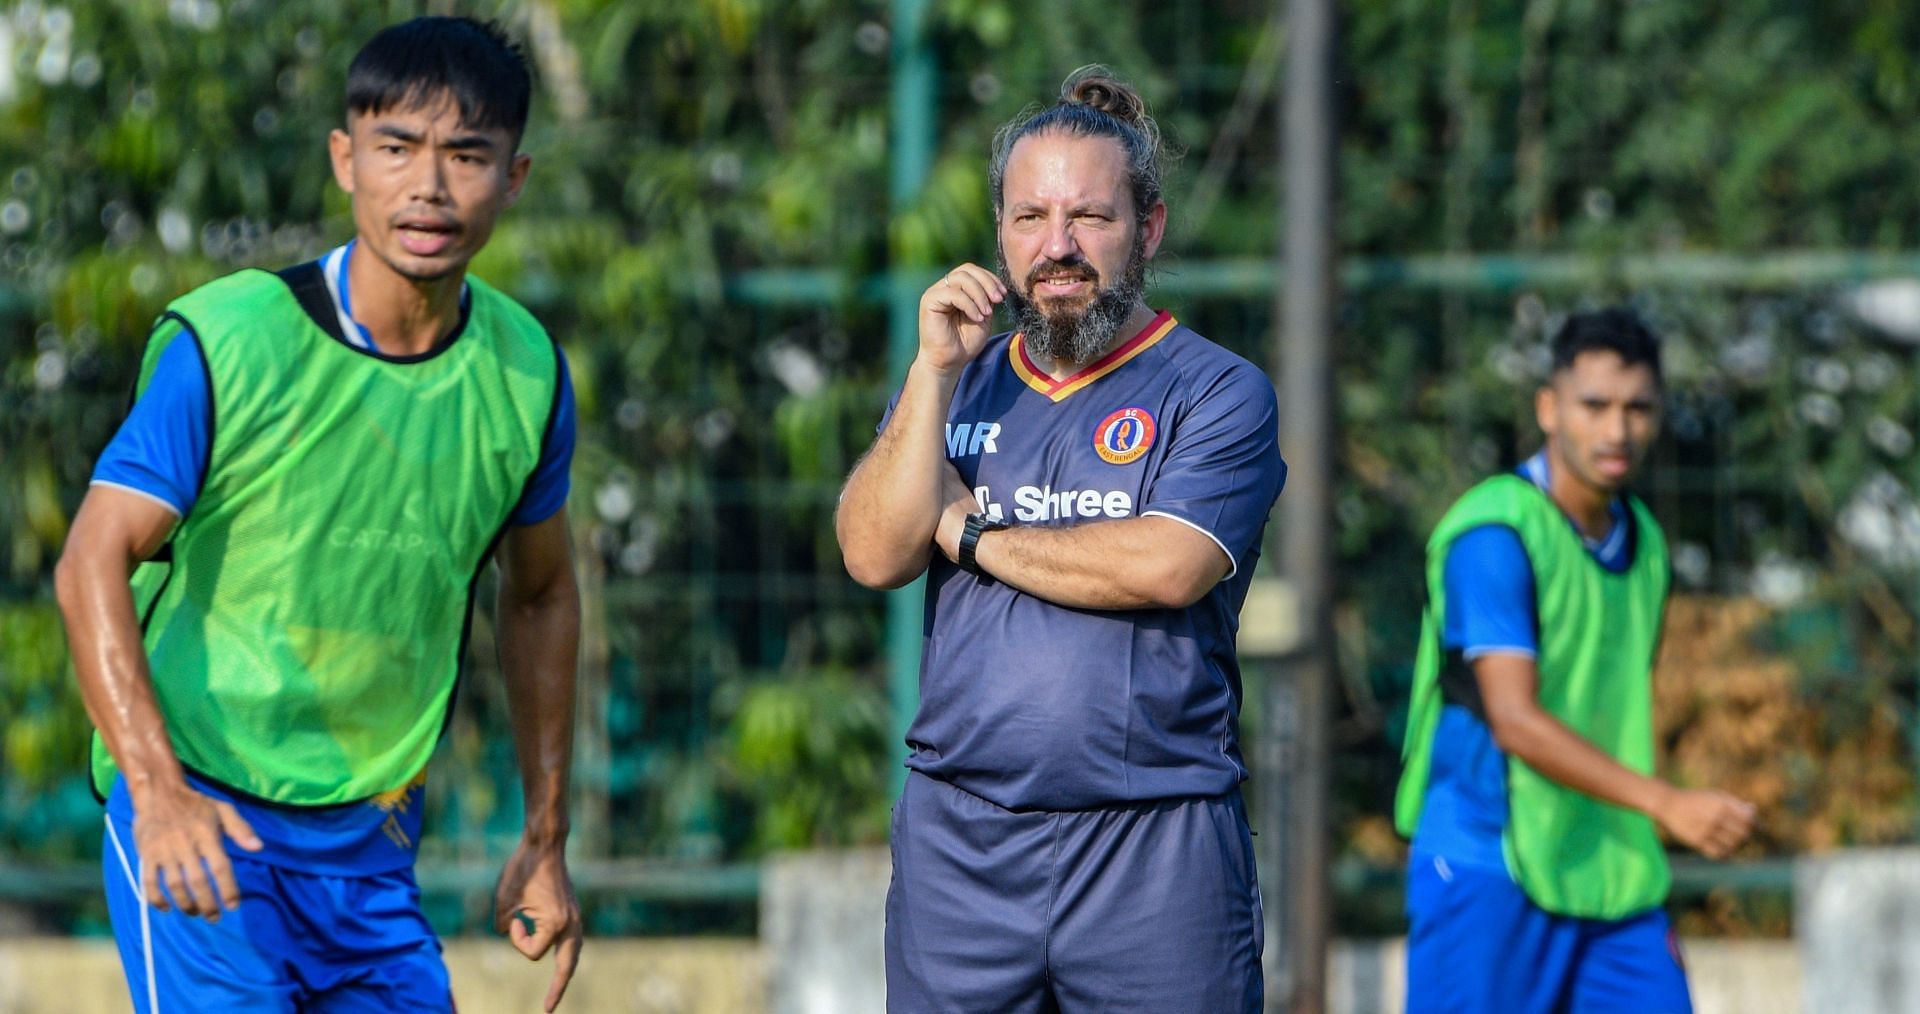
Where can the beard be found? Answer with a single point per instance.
(1072, 330)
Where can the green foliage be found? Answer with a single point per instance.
(46, 726)
(680, 147)
(808, 753)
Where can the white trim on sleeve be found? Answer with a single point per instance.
(1499, 649)
(1216, 539)
(162, 501)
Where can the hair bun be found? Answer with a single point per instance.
(1096, 87)
(1093, 103)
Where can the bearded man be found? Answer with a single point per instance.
(1087, 495)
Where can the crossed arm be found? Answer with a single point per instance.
(1130, 563)
(905, 500)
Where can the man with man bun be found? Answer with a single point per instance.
(1086, 494)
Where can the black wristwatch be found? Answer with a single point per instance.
(977, 525)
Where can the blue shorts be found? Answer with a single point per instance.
(1146, 906)
(297, 942)
(1479, 944)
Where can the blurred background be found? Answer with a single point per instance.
(730, 199)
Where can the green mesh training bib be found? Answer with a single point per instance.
(1571, 853)
(307, 625)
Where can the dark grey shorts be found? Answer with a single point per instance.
(1138, 907)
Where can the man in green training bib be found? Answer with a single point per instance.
(1537, 876)
(269, 585)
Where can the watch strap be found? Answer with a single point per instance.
(976, 526)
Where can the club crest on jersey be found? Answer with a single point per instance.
(1124, 436)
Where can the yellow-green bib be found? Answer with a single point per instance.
(307, 626)
(1571, 853)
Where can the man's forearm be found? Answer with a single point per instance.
(1710, 822)
(539, 645)
(1548, 746)
(1130, 563)
(110, 665)
(891, 505)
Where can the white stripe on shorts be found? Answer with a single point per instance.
(146, 915)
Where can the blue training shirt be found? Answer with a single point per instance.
(161, 452)
(1037, 706)
(1490, 609)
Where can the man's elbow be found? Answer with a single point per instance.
(1511, 733)
(559, 596)
(1503, 736)
(873, 559)
(1176, 584)
(68, 579)
(1166, 597)
(873, 570)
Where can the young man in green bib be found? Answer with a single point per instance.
(1537, 876)
(269, 586)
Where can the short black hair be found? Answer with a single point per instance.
(476, 62)
(1615, 329)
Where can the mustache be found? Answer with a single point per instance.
(1075, 266)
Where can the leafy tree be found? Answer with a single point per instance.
(704, 232)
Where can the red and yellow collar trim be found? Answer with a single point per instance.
(1058, 390)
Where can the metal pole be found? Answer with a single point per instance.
(911, 146)
(1306, 315)
(1489, 273)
